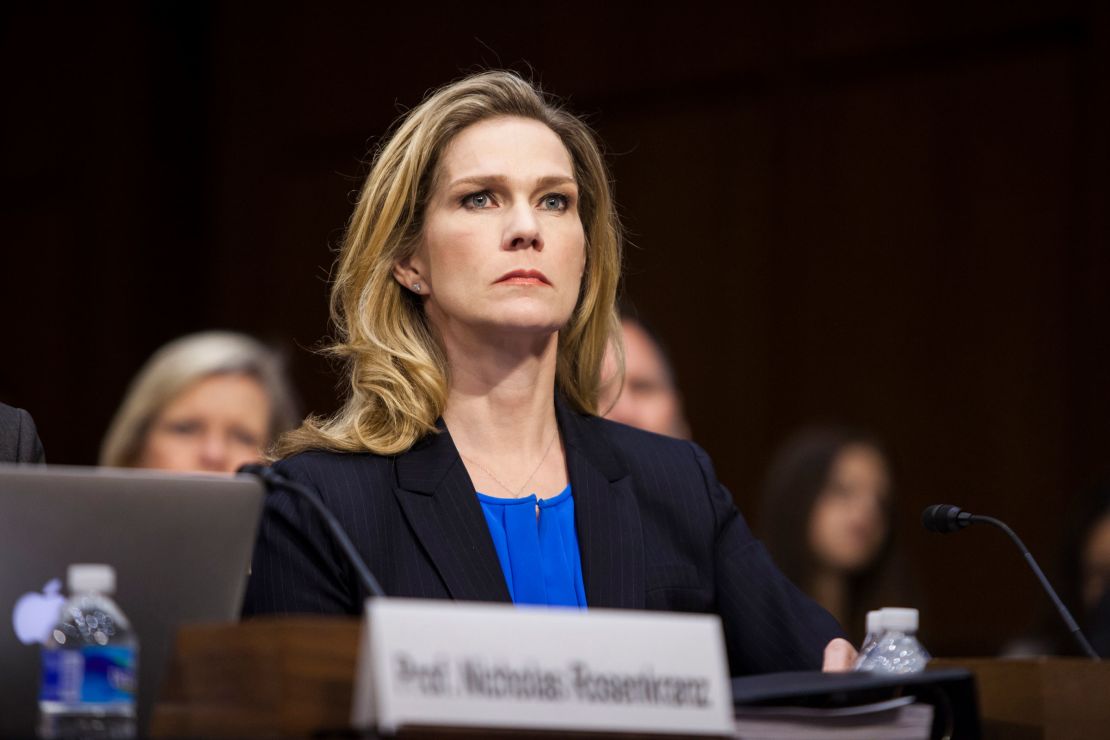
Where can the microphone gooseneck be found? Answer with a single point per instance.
(275, 480)
(945, 518)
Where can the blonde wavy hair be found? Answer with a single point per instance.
(397, 368)
(180, 364)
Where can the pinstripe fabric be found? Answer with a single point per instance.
(656, 530)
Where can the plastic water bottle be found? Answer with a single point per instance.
(89, 663)
(896, 650)
(874, 629)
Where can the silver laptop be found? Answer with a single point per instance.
(180, 545)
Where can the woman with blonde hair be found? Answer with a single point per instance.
(474, 299)
(206, 402)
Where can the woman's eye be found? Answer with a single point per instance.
(555, 202)
(244, 437)
(183, 427)
(478, 200)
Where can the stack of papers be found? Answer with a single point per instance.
(897, 719)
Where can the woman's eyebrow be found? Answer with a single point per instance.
(555, 180)
(502, 181)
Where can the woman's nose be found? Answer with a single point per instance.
(213, 452)
(523, 230)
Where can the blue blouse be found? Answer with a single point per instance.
(538, 553)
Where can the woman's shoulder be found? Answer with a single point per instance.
(637, 447)
(320, 466)
(670, 475)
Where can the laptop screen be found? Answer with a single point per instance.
(180, 545)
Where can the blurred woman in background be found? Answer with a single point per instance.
(206, 402)
(1088, 565)
(827, 520)
(1082, 579)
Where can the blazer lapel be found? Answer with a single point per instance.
(437, 496)
(610, 538)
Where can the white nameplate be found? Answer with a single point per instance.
(451, 664)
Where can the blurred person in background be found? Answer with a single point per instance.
(19, 440)
(827, 520)
(1083, 582)
(649, 398)
(207, 402)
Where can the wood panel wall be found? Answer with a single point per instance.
(890, 216)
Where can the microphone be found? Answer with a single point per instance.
(945, 519)
(275, 480)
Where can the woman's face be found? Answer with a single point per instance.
(503, 247)
(849, 520)
(1096, 563)
(215, 425)
(648, 399)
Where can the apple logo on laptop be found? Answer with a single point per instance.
(35, 614)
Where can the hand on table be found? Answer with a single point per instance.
(840, 656)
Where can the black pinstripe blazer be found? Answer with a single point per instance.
(19, 441)
(656, 530)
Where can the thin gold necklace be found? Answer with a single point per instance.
(516, 494)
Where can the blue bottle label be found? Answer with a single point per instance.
(93, 674)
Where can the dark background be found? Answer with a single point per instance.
(889, 214)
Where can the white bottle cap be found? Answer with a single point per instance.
(94, 577)
(899, 620)
(874, 623)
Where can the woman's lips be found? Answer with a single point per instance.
(524, 277)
